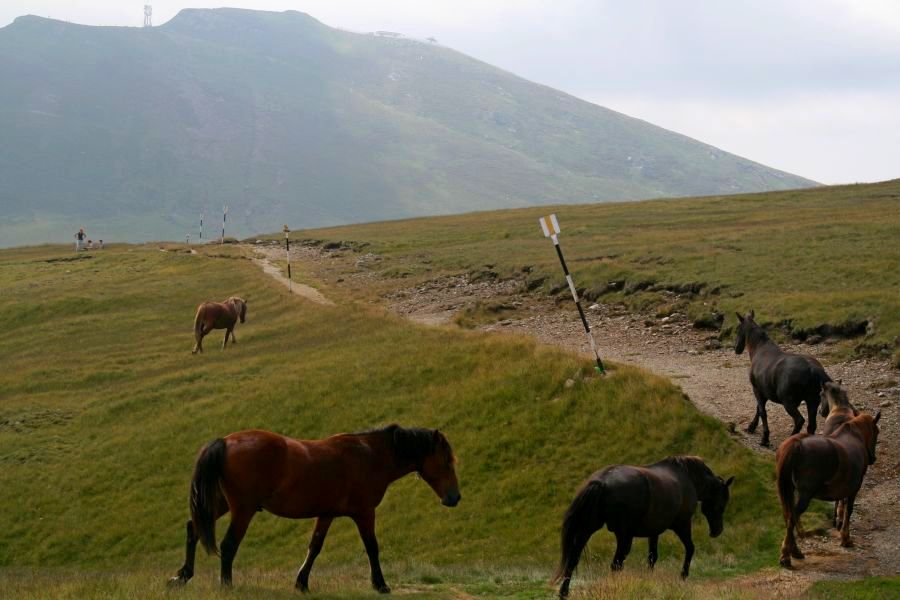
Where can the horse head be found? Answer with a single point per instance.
(745, 326)
(714, 501)
(240, 307)
(834, 397)
(438, 469)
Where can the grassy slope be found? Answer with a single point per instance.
(103, 409)
(828, 255)
(282, 117)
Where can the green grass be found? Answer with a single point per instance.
(875, 588)
(103, 408)
(804, 258)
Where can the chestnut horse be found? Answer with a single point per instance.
(837, 408)
(345, 475)
(218, 315)
(825, 467)
(642, 502)
(783, 377)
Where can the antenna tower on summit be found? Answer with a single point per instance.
(148, 14)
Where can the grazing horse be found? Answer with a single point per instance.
(218, 315)
(782, 377)
(824, 467)
(837, 408)
(345, 475)
(642, 502)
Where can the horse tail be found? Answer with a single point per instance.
(206, 494)
(784, 473)
(198, 323)
(582, 519)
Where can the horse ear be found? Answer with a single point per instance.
(740, 318)
(840, 382)
(877, 416)
(729, 481)
(752, 314)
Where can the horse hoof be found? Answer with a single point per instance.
(383, 589)
(684, 574)
(750, 429)
(847, 543)
(177, 582)
(795, 553)
(785, 562)
(765, 443)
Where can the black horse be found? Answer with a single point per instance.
(783, 377)
(642, 502)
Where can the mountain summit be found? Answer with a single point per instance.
(132, 132)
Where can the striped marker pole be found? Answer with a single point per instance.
(201, 229)
(287, 249)
(550, 227)
(224, 216)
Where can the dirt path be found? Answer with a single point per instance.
(264, 260)
(716, 381)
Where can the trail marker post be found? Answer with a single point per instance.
(287, 249)
(224, 216)
(550, 227)
(201, 229)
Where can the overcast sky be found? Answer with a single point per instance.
(808, 86)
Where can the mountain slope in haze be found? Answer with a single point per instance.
(133, 132)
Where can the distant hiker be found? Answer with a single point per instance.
(79, 239)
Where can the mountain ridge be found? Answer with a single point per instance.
(286, 119)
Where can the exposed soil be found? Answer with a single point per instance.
(715, 379)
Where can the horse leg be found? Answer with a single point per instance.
(846, 542)
(795, 415)
(812, 409)
(315, 546)
(803, 501)
(240, 520)
(233, 339)
(838, 519)
(225, 341)
(623, 547)
(751, 428)
(652, 554)
(187, 570)
(365, 523)
(683, 531)
(765, 421)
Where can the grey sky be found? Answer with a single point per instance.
(811, 87)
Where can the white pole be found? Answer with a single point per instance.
(287, 249)
(224, 216)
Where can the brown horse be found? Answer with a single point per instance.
(218, 315)
(837, 408)
(345, 475)
(824, 467)
(783, 377)
(642, 502)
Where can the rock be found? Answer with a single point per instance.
(570, 383)
(712, 344)
(711, 320)
(885, 404)
(594, 307)
(814, 339)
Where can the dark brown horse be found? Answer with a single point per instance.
(218, 315)
(824, 467)
(783, 377)
(642, 502)
(345, 475)
(837, 408)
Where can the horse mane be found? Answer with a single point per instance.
(756, 334)
(697, 470)
(412, 444)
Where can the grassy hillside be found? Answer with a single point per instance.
(809, 261)
(102, 410)
(132, 132)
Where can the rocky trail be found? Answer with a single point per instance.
(715, 379)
